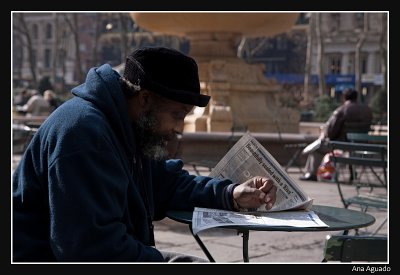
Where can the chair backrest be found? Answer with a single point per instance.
(348, 248)
(367, 138)
(22, 135)
(357, 127)
(368, 163)
(375, 160)
(354, 127)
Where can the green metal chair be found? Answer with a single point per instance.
(370, 188)
(349, 248)
(367, 138)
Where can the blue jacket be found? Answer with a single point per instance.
(76, 196)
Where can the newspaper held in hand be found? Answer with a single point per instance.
(248, 158)
(315, 145)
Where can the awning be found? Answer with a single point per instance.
(341, 87)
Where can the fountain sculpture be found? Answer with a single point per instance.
(241, 97)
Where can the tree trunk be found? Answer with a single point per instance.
(307, 69)
(242, 47)
(124, 37)
(77, 52)
(357, 63)
(320, 56)
(63, 53)
(18, 41)
(383, 51)
(97, 25)
(23, 29)
(55, 48)
(74, 27)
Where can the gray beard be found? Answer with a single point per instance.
(149, 142)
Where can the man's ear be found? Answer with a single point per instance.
(144, 99)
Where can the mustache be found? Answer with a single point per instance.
(172, 136)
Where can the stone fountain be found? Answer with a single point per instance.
(241, 97)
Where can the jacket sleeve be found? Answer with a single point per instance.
(87, 196)
(334, 124)
(176, 189)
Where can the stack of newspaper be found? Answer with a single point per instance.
(246, 159)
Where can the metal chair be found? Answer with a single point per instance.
(22, 135)
(366, 138)
(374, 156)
(346, 248)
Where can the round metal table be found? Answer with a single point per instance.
(336, 218)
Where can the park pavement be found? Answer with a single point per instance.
(225, 245)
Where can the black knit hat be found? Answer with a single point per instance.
(166, 72)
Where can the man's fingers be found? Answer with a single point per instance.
(270, 196)
(259, 182)
(266, 185)
(257, 191)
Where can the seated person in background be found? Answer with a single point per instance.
(351, 116)
(51, 98)
(37, 105)
(22, 98)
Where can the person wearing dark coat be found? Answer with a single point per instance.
(351, 116)
(96, 174)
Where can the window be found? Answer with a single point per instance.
(350, 64)
(47, 58)
(377, 65)
(334, 63)
(281, 43)
(272, 67)
(61, 56)
(335, 21)
(49, 31)
(364, 63)
(359, 21)
(35, 31)
(34, 57)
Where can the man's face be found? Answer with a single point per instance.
(160, 124)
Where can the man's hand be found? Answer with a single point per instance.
(255, 192)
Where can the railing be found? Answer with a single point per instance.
(29, 120)
(199, 147)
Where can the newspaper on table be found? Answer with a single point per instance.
(205, 218)
(248, 158)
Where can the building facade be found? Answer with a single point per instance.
(44, 45)
(340, 36)
(345, 36)
(64, 46)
